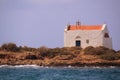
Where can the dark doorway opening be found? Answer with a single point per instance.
(78, 43)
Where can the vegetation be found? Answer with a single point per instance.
(73, 52)
(110, 56)
(2, 56)
(25, 48)
(33, 57)
(89, 50)
(51, 53)
(102, 53)
(10, 47)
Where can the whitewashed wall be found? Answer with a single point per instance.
(95, 37)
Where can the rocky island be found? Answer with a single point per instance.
(10, 54)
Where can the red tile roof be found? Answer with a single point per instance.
(84, 27)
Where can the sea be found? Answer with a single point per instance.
(33, 72)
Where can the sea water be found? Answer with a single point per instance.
(32, 72)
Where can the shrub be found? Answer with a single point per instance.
(106, 53)
(89, 50)
(2, 56)
(75, 50)
(101, 50)
(4, 47)
(10, 47)
(50, 53)
(118, 51)
(43, 49)
(98, 50)
(33, 57)
(110, 56)
(111, 51)
(25, 48)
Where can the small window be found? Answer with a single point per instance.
(106, 35)
(87, 41)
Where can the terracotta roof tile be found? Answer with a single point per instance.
(84, 27)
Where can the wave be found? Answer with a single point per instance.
(1, 66)
(20, 66)
(26, 66)
(36, 66)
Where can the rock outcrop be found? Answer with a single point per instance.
(80, 60)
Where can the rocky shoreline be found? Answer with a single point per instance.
(104, 64)
(100, 56)
(80, 60)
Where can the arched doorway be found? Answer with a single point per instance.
(78, 43)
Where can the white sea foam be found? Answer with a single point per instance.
(36, 66)
(112, 67)
(69, 66)
(27, 66)
(1, 66)
(21, 66)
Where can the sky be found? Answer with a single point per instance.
(36, 23)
